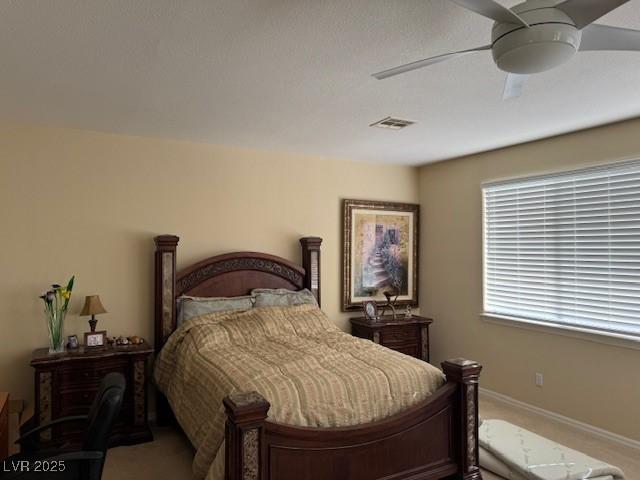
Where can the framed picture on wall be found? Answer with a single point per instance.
(380, 252)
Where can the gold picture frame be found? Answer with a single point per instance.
(380, 252)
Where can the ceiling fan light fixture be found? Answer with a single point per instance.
(537, 35)
(536, 49)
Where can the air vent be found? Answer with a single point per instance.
(392, 123)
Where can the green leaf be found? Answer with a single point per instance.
(70, 284)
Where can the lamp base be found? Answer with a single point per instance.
(92, 323)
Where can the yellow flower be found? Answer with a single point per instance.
(66, 294)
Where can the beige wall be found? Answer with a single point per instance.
(89, 204)
(85, 203)
(592, 382)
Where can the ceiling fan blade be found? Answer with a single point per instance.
(492, 10)
(603, 37)
(585, 12)
(426, 62)
(513, 86)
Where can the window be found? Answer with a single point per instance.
(564, 249)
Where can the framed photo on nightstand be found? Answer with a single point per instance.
(72, 342)
(370, 310)
(95, 340)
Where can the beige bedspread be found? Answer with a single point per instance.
(311, 372)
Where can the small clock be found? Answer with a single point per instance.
(95, 340)
(370, 310)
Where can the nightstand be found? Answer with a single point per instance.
(66, 384)
(407, 335)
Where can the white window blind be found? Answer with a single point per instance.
(564, 249)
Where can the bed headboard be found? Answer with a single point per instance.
(227, 275)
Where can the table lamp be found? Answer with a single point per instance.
(92, 306)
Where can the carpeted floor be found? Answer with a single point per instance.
(169, 455)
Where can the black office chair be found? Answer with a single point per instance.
(84, 464)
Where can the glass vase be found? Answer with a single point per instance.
(55, 328)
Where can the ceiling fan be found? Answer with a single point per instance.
(538, 35)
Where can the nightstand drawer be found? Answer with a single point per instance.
(87, 377)
(79, 399)
(78, 402)
(411, 350)
(399, 335)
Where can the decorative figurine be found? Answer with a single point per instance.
(407, 312)
(122, 341)
(391, 304)
(135, 340)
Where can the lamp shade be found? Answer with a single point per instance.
(92, 306)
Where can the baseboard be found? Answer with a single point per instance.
(585, 427)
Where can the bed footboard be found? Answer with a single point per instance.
(465, 374)
(436, 439)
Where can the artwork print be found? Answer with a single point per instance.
(380, 252)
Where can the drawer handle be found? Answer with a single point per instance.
(85, 396)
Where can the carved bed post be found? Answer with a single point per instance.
(246, 413)
(466, 373)
(311, 264)
(165, 307)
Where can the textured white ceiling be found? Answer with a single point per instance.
(294, 75)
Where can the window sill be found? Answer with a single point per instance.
(618, 340)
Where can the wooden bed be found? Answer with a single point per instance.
(437, 438)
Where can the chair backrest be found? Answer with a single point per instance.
(102, 417)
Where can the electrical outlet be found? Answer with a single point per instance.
(539, 380)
